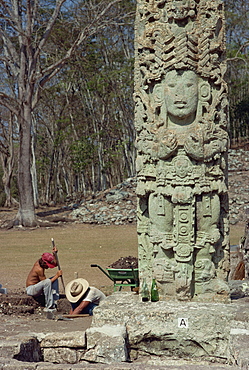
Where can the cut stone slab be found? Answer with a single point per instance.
(60, 355)
(76, 339)
(9, 364)
(22, 348)
(106, 344)
(159, 335)
(174, 329)
(62, 348)
(239, 347)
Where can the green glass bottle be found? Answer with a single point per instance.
(145, 294)
(154, 291)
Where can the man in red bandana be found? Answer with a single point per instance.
(37, 284)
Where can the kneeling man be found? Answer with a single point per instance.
(82, 297)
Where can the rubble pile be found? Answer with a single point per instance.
(238, 185)
(114, 206)
(118, 205)
(125, 263)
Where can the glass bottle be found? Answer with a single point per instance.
(145, 292)
(154, 291)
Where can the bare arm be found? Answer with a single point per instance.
(80, 308)
(54, 250)
(56, 276)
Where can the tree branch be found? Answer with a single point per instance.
(94, 26)
(10, 103)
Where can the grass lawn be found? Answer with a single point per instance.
(79, 246)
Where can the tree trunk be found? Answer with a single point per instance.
(33, 173)
(7, 164)
(8, 159)
(26, 213)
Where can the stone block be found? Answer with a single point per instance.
(50, 366)
(75, 339)
(239, 288)
(163, 328)
(23, 348)
(239, 351)
(9, 348)
(106, 344)
(60, 355)
(10, 364)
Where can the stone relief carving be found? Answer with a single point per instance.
(181, 120)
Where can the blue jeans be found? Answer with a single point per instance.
(88, 309)
(46, 287)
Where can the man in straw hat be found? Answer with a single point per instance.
(82, 297)
(38, 285)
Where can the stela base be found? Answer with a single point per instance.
(210, 332)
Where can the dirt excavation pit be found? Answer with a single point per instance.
(20, 313)
(19, 303)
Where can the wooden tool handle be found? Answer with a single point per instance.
(56, 255)
(58, 263)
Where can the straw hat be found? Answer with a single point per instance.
(76, 289)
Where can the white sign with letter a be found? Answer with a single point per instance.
(182, 323)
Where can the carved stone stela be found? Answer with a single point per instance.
(181, 118)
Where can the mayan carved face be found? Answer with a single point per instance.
(181, 94)
(180, 9)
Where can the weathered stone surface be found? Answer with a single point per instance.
(172, 329)
(21, 347)
(239, 347)
(7, 364)
(60, 355)
(213, 332)
(62, 347)
(239, 288)
(9, 347)
(106, 344)
(182, 141)
(75, 339)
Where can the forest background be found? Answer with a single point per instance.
(66, 97)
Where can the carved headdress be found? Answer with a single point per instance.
(183, 34)
(180, 34)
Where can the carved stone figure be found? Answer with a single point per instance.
(181, 120)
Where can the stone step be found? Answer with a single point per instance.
(10, 364)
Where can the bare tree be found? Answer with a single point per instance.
(7, 154)
(238, 67)
(25, 34)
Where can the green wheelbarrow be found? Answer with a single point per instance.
(121, 277)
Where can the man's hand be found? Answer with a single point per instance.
(59, 273)
(80, 308)
(56, 276)
(54, 250)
